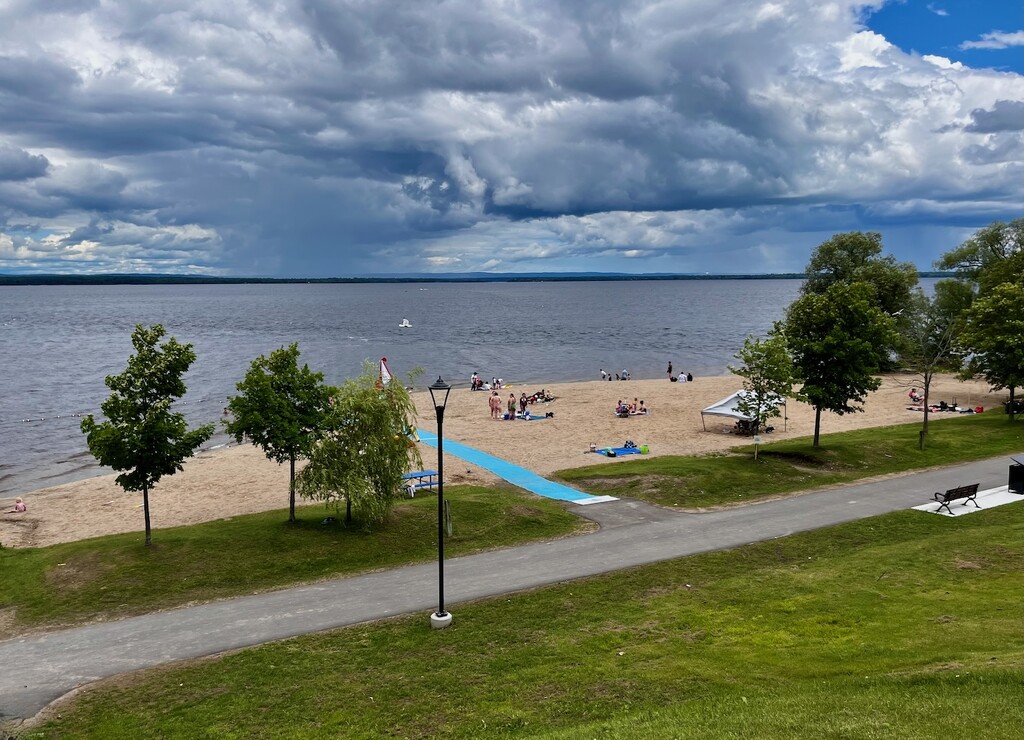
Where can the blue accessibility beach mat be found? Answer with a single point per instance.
(513, 473)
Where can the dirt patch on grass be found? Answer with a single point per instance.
(77, 574)
(967, 564)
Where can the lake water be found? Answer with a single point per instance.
(57, 343)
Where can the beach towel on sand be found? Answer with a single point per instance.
(618, 451)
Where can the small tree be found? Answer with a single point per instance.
(994, 333)
(142, 435)
(279, 408)
(767, 373)
(932, 334)
(362, 448)
(837, 340)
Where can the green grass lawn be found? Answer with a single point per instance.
(794, 465)
(116, 576)
(901, 626)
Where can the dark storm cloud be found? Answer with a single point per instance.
(1005, 115)
(342, 137)
(17, 164)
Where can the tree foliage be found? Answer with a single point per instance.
(279, 408)
(856, 257)
(767, 372)
(837, 339)
(994, 332)
(142, 435)
(993, 255)
(363, 448)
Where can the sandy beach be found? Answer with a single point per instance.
(240, 480)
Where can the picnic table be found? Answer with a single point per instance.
(420, 479)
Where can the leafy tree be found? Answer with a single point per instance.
(932, 336)
(993, 255)
(855, 257)
(837, 340)
(142, 435)
(280, 407)
(362, 448)
(767, 372)
(994, 332)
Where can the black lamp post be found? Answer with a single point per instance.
(439, 391)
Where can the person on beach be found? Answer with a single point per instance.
(670, 369)
(512, 406)
(494, 401)
(604, 375)
(523, 402)
(19, 507)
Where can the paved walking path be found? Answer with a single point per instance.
(36, 670)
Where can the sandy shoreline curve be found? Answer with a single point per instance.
(240, 480)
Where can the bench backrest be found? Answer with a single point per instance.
(960, 492)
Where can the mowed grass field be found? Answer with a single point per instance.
(907, 625)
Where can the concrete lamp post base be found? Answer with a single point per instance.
(440, 621)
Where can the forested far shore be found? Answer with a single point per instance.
(125, 279)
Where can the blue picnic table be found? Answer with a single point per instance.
(420, 479)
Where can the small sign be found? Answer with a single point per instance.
(757, 439)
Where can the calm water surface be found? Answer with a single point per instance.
(57, 343)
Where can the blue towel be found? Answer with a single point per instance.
(618, 451)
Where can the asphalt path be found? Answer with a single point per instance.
(35, 670)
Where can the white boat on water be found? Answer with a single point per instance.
(405, 324)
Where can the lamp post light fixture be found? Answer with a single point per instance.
(439, 391)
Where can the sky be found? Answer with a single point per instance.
(335, 138)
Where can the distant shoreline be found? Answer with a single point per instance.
(51, 279)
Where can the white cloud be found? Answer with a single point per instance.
(996, 40)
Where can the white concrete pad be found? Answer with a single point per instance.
(593, 500)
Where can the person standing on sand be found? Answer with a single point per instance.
(512, 406)
(494, 401)
(670, 369)
(523, 402)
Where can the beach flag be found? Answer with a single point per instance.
(385, 374)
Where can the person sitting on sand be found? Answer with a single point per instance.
(641, 409)
(914, 396)
(19, 507)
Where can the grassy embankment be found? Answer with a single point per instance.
(906, 625)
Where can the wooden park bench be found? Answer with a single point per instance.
(967, 493)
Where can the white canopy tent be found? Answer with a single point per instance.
(728, 407)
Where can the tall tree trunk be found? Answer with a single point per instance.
(1012, 404)
(145, 508)
(817, 424)
(924, 427)
(291, 490)
(348, 510)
